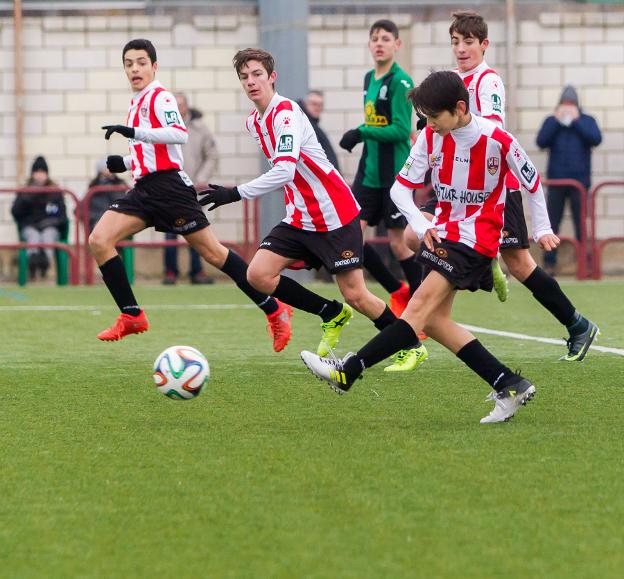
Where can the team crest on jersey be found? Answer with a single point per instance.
(435, 160)
(497, 103)
(528, 172)
(492, 165)
(171, 118)
(285, 144)
(144, 111)
(383, 93)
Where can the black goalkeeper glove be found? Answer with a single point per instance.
(121, 129)
(218, 196)
(350, 139)
(115, 164)
(422, 122)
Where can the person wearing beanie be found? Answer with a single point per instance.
(40, 218)
(102, 200)
(569, 135)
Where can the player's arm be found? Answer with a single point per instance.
(287, 131)
(400, 127)
(492, 99)
(172, 130)
(522, 167)
(412, 176)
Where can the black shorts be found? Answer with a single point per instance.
(164, 201)
(338, 250)
(464, 267)
(376, 205)
(515, 234)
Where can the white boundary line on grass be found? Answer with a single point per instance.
(476, 329)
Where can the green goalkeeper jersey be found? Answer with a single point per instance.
(386, 129)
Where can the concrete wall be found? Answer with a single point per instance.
(74, 83)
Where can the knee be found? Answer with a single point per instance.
(519, 263)
(260, 281)
(98, 243)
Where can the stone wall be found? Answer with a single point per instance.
(74, 83)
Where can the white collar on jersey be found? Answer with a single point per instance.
(154, 84)
(272, 103)
(468, 135)
(483, 66)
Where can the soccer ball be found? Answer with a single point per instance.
(181, 372)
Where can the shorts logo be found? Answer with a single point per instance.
(492, 165)
(171, 118)
(441, 252)
(285, 144)
(528, 171)
(346, 254)
(179, 222)
(505, 233)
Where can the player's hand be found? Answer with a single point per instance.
(127, 132)
(549, 242)
(431, 236)
(351, 138)
(218, 196)
(421, 123)
(115, 164)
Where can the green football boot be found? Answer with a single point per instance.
(408, 360)
(332, 330)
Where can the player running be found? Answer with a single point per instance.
(469, 40)
(163, 197)
(321, 226)
(469, 158)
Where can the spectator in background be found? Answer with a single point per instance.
(569, 135)
(101, 201)
(200, 156)
(313, 105)
(40, 218)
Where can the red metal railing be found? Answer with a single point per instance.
(72, 250)
(598, 245)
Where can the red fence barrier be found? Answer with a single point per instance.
(599, 244)
(73, 250)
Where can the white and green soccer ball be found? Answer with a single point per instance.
(181, 372)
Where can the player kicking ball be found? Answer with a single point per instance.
(469, 158)
(321, 226)
(163, 197)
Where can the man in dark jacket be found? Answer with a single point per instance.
(312, 106)
(40, 218)
(569, 134)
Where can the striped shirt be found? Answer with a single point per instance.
(159, 132)
(487, 99)
(468, 176)
(317, 198)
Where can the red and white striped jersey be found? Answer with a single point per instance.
(487, 99)
(158, 132)
(317, 197)
(468, 173)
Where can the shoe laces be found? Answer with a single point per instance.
(401, 357)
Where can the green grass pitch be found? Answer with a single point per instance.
(270, 474)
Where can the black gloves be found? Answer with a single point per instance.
(218, 196)
(350, 139)
(121, 129)
(422, 122)
(115, 164)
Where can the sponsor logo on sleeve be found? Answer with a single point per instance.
(528, 171)
(286, 144)
(408, 164)
(171, 118)
(405, 83)
(497, 103)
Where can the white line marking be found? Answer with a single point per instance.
(477, 329)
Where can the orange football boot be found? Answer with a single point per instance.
(399, 299)
(278, 326)
(125, 325)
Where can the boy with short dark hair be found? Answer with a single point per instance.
(163, 197)
(469, 158)
(321, 225)
(469, 41)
